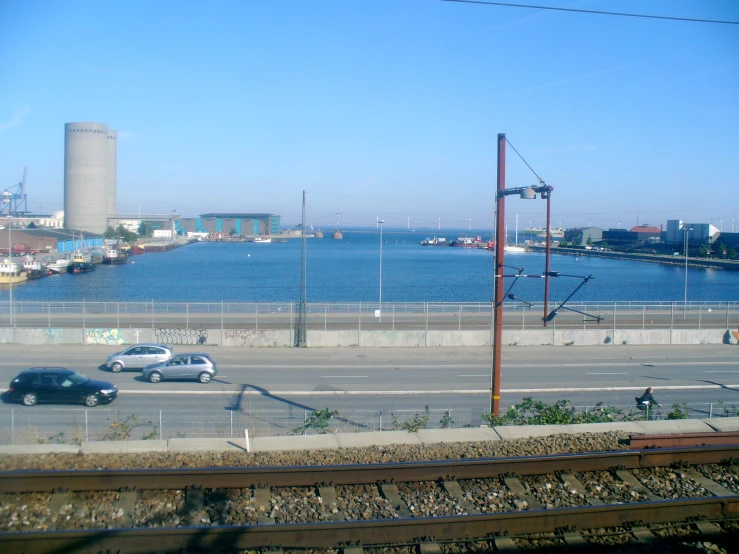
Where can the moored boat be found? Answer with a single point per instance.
(80, 267)
(434, 241)
(34, 269)
(114, 257)
(138, 249)
(467, 242)
(263, 239)
(11, 273)
(58, 266)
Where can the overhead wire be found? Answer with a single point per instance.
(597, 12)
(541, 181)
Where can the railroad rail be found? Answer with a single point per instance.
(715, 502)
(640, 441)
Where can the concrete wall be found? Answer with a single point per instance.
(252, 338)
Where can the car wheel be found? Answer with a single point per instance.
(155, 377)
(204, 377)
(92, 400)
(30, 399)
(116, 367)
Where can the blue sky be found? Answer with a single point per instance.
(385, 108)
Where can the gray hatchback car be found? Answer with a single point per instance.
(138, 357)
(182, 366)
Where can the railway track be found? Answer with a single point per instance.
(573, 500)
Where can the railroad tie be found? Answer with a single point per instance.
(505, 544)
(429, 548)
(194, 502)
(643, 535)
(125, 506)
(574, 483)
(390, 491)
(711, 486)
(627, 477)
(516, 487)
(707, 528)
(263, 499)
(330, 500)
(57, 500)
(575, 539)
(353, 550)
(455, 491)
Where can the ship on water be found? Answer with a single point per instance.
(541, 232)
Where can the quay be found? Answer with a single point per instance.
(731, 265)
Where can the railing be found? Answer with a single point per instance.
(366, 316)
(73, 426)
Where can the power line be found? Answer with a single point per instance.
(621, 14)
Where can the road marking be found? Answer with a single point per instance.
(483, 375)
(343, 376)
(605, 374)
(416, 392)
(727, 371)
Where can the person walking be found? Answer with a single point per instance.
(646, 400)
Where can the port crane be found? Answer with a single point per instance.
(13, 200)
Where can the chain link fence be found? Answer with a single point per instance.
(73, 426)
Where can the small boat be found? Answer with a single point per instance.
(96, 256)
(34, 269)
(513, 248)
(58, 266)
(434, 241)
(11, 273)
(80, 264)
(467, 242)
(114, 257)
(138, 249)
(263, 239)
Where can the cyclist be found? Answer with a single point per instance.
(646, 400)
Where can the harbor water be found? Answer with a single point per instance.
(348, 270)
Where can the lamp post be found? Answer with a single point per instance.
(498, 285)
(380, 222)
(10, 276)
(685, 300)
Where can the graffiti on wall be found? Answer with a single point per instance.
(244, 337)
(181, 336)
(104, 336)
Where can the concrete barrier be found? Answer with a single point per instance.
(254, 338)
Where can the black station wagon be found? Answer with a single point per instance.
(56, 384)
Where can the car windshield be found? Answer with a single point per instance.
(78, 379)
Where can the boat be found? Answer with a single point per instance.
(96, 256)
(138, 249)
(34, 269)
(80, 263)
(114, 257)
(541, 232)
(11, 273)
(263, 239)
(467, 242)
(434, 241)
(513, 248)
(58, 266)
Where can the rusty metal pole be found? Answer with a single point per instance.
(498, 287)
(548, 256)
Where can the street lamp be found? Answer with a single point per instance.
(685, 300)
(380, 222)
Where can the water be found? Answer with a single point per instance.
(348, 271)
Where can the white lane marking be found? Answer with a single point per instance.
(343, 376)
(727, 371)
(605, 374)
(419, 392)
(482, 375)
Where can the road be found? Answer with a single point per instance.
(373, 378)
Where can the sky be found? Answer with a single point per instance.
(381, 108)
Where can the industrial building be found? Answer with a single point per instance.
(49, 240)
(90, 176)
(242, 224)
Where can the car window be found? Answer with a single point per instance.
(77, 379)
(198, 360)
(48, 380)
(179, 360)
(135, 351)
(154, 350)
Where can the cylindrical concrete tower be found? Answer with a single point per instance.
(85, 176)
(111, 182)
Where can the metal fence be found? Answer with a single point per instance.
(73, 426)
(366, 316)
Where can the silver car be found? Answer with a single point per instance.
(138, 357)
(182, 366)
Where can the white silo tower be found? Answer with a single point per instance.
(86, 176)
(111, 180)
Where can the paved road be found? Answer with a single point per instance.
(365, 375)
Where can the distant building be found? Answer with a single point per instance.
(646, 233)
(51, 240)
(247, 224)
(697, 232)
(582, 234)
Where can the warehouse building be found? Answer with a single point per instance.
(242, 224)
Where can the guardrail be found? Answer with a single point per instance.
(396, 316)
